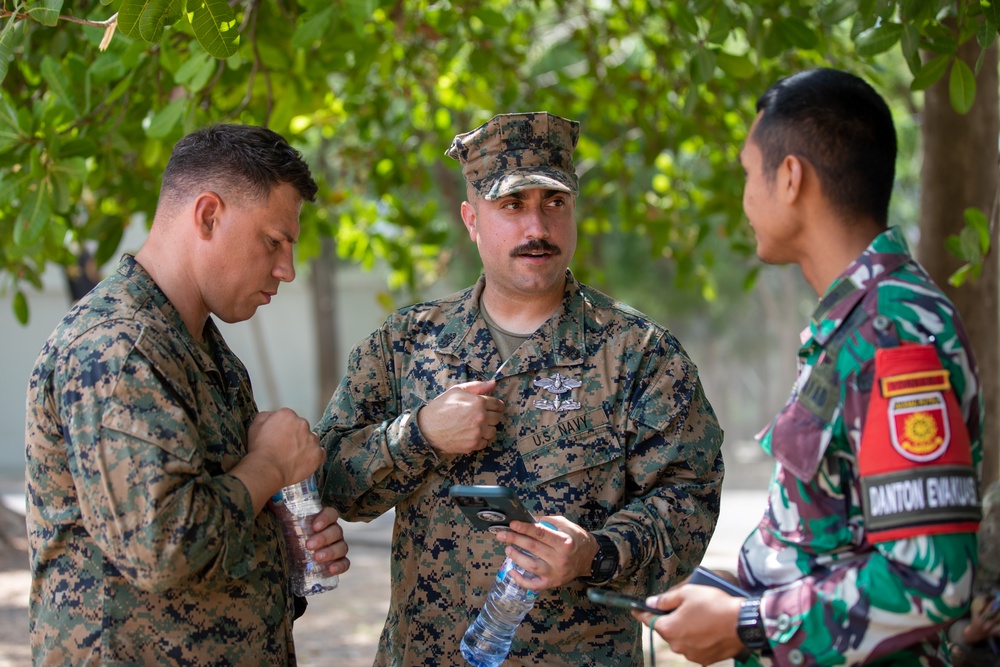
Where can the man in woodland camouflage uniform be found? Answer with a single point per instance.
(589, 411)
(148, 463)
(867, 549)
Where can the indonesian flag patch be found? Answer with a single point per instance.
(915, 461)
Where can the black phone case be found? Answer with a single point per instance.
(620, 600)
(708, 578)
(489, 508)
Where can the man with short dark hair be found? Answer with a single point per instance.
(867, 549)
(148, 463)
(592, 413)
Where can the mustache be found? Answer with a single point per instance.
(536, 245)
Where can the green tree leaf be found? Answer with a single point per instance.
(930, 72)
(195, 71)
(963, 273)
(36, 212)
(20, 307)
(59, 83)
(702, 65)
(796, 33)
(961, 87)
(939, 38)
(976, 220)
(739, 67)
(991, 10)
(214, 24)
(832, 12)
(312, 27)
(359, 11)
(145, 19)
(7, 37)
(910, 44)
(163, 123)
(10, 133)
(879, 39)
(987, 32)
(45, 12)
(685, 20)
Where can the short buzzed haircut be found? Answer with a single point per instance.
(842, 127)
(244, 160)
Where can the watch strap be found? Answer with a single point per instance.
(750, 626)
(605, 562)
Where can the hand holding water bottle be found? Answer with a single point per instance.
(299, 509)
(487, 641)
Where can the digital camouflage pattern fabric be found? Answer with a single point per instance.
(143, 550)
(828, 596)
(632, 452)
(517, 151)
(988, 576)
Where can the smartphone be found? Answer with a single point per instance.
(490, 508)
(705, 577)
(614, 599)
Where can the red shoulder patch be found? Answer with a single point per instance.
(915, 462)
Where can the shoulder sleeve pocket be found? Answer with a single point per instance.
(148, 403)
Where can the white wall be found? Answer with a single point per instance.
(20, 346)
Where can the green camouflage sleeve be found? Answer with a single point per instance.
(133, 449)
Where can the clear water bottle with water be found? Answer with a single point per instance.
(296, 505)
(487, 641)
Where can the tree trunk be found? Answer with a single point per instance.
(959, 171)
(324, 297)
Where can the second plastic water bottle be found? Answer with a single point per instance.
(487, 641)
(296, 505)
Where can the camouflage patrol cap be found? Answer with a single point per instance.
(518, 151)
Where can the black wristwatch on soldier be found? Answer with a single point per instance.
(750, 628)
(605, 562)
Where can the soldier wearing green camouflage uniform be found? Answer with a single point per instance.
(850, 564)
(148, 464)
(589, 411)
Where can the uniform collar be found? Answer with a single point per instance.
(136, 275)
(887, 252)
(559, 341)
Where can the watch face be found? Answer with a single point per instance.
(605, 562)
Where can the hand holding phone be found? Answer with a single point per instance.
(490, 508)
(991, 609)
(615, 599)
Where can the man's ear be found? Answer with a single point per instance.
(790, 177)
(207, 211)
(469, 218)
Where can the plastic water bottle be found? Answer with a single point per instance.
(296, 505)
(487, 641)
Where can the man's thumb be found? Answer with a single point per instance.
(480, 387)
